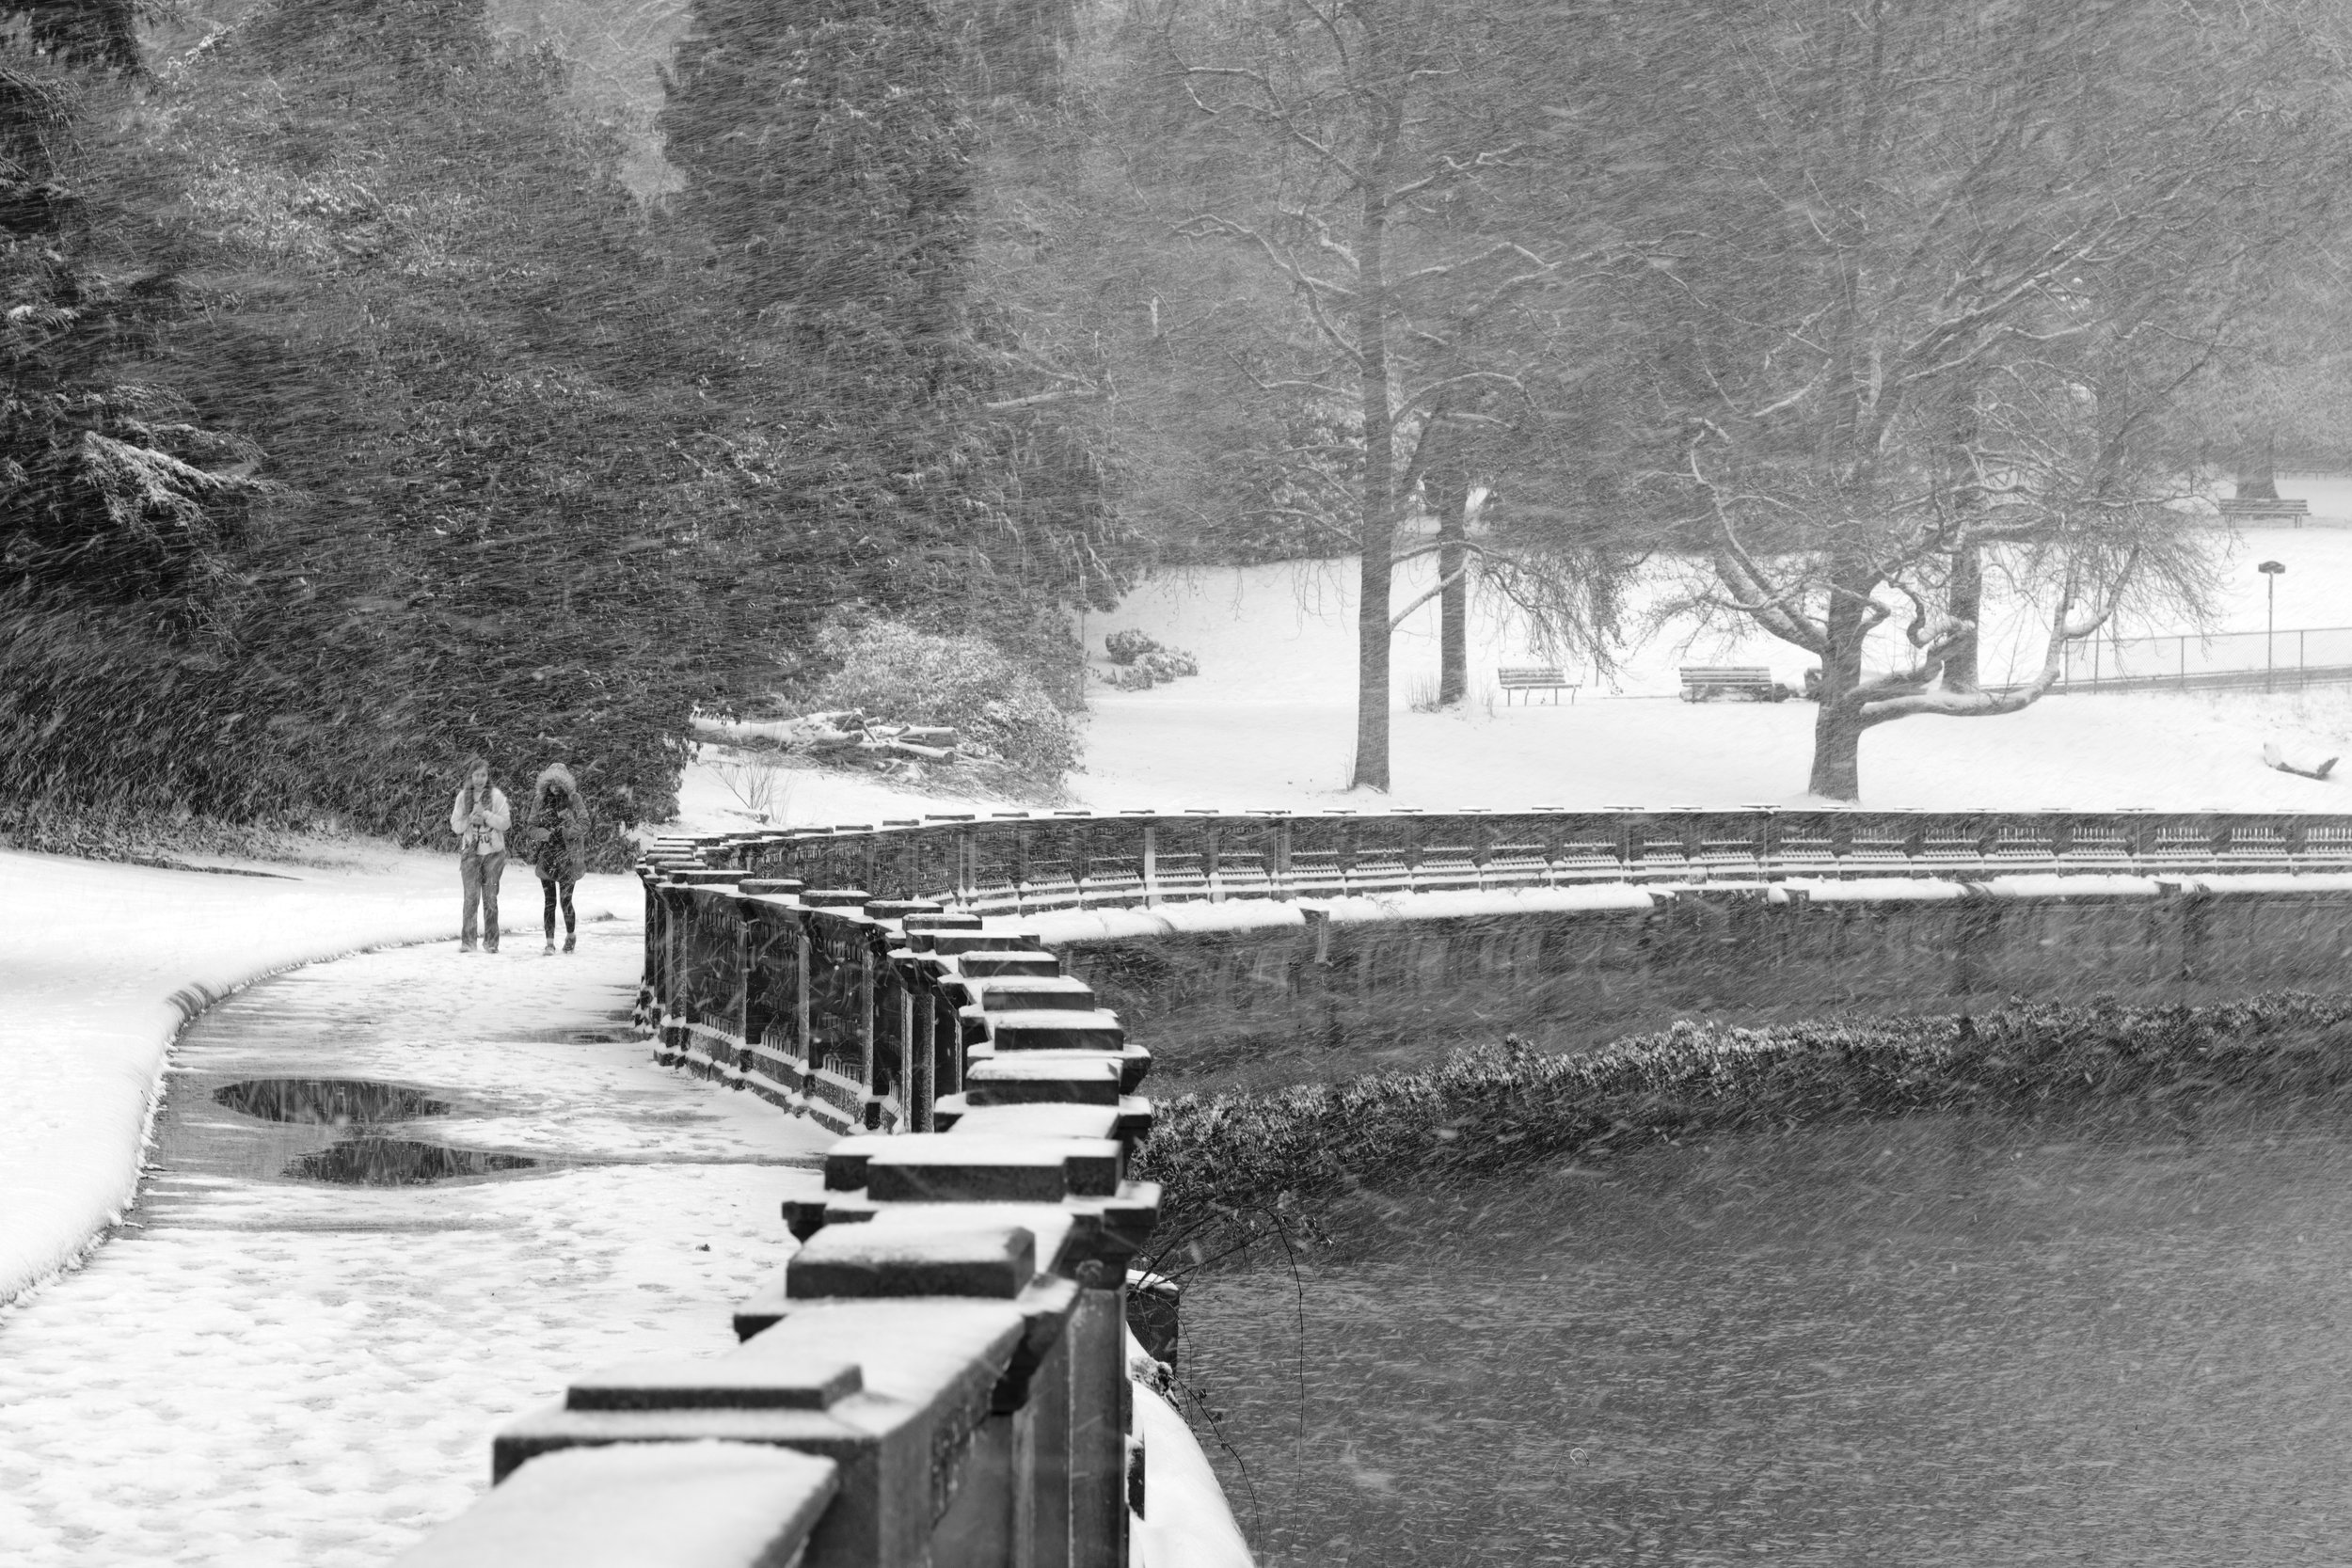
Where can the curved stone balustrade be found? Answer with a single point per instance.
(947, 1357)
(948, 1354)
(1024, 862)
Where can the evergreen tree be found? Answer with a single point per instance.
(119, 513)
(830, 155)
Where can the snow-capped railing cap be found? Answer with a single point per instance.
(1134, 1062)
(941, 1168)
(1057, 1067)
(684, 1505)
(1117, 1223)
(802, 1384)
(1045, 1119)
(899, 909)
(936, 1255)
(1049, 990)
(989, 963)
(919, 1149)
(942, 920)
(948, 943)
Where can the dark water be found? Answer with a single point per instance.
(1935, 1341)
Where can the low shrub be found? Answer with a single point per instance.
(1238, 1163)
(1144, 663)
(1126, 646)
(889, 668)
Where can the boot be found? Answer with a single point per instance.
(549, 950)
(570, 940)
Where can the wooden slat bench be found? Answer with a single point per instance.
(1751, 681)
(1532, 678)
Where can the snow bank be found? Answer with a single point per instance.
(1186, 1521)
(101, 964)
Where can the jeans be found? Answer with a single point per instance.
(481, 874)
(553, 891)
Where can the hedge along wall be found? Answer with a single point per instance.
(1256, 994)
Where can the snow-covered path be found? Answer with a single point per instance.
(101, 964)
(260, 1371)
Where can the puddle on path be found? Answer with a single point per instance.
(370, 1161)
(356, 1109)
(328, 1101)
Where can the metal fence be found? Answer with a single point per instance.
(2289, 656)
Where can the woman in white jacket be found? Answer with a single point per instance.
(480, 818)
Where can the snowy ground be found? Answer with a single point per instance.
(100, 963)
(258, 1372)
(1270, 721)
(358, 1348)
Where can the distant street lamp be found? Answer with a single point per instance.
(2270, 570)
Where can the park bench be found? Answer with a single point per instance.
(1754, 682)
(1536, 679)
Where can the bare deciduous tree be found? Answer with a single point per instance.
(1384, 184)
(1927, 302)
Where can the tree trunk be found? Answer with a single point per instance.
(2259, 480)
(1837, 753)
(1376, 533)
(1377, 521)
(1967, 603)
(1452, 504)
(1372, 663)
(1837, 728)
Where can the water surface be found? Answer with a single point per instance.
(1944, 1340)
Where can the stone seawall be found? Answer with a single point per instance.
(1313, 991)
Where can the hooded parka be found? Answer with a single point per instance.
(558, 826)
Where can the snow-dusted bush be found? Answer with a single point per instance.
(1127, 646)
(1145, 663)
(1247, 1164)
(891, 669)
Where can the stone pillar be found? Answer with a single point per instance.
(1100, 1414)
(804, 1031)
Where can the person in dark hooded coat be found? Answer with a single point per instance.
(559, 846)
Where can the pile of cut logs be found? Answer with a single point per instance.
(847, 736)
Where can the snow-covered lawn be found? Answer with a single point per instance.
(1270, 719)
(101, 964)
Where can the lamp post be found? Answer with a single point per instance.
(2270, 570)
